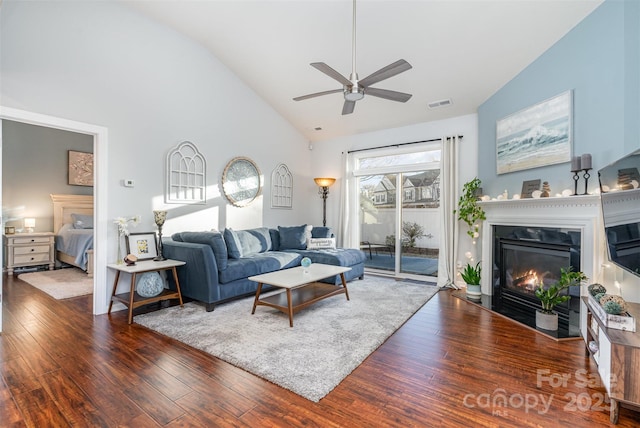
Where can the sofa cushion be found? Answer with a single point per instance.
(234, 248)
(213, 239)
(293, 238)
(321, 232)
(337, 257)
(254, 241)
(257, 264)
(275, 239)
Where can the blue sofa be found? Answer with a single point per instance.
(219, 263)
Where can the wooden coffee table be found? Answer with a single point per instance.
(301, 288)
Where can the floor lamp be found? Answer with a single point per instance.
(324, 184)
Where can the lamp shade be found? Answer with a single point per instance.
(30, 222)
(324, 182)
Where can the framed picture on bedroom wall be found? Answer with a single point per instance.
(142, 245)
(80, 168)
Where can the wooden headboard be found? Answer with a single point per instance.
(65, 205)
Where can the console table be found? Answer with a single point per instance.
(133, 299)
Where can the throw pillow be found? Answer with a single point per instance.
(321, 243)
(275, 239)
(233, 243)
(321, 232)
(82, 221)
(293, 238)
(213, 239)
(254, 241)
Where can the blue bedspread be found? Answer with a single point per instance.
(75, 242)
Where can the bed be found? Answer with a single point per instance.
(74, 246)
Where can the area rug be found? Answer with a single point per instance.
(61, 283)
(327, 342)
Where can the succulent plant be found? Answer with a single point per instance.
(596, 288)
(599, 296)
(612, 307)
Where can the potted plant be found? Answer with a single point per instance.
(468, 209)
(471, 276)
(547, 318)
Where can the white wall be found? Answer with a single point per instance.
(327, 160)
(103, 64)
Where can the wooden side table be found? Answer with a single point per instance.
(133, 299)
(29, 249)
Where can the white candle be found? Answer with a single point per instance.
(585, 161)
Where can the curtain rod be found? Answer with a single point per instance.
(397, 145)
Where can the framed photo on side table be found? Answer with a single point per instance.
(142, 245)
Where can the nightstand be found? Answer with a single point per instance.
(29, 249)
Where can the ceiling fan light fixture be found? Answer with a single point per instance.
(353, 88)
(354, 93)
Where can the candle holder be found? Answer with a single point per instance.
(576, 177)
(586, 179)
(159, 217)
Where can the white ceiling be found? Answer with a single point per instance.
(461, 50)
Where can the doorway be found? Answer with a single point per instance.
(399, 200)
(100, 294)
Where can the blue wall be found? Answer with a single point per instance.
(599, 61)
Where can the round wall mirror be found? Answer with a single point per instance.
(241, 181)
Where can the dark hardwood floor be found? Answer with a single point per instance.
(452, 364)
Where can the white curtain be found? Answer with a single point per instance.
(449, 229)
(348, 224)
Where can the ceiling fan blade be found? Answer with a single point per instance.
(317, 94)
(385, 73)
(348, 107)
(331, 73)
(388, 95)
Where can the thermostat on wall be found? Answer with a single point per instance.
(127, 182)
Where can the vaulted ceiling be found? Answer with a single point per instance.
(463, 51)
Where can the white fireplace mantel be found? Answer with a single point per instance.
(573, 212)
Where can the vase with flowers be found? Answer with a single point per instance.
(123, 230)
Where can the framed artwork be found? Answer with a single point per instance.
(537, 136)
(241, 181)
(528, 187)
(80, 168)
(142, 245)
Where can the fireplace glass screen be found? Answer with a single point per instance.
(526, 265)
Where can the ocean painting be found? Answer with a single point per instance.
(537, 136)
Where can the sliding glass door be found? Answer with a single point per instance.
(399, 211)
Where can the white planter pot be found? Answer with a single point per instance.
(546, 321)
(473, 291)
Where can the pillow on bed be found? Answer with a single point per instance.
(82, 221)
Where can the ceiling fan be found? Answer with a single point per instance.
(354, 89)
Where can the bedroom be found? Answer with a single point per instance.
(27, 191)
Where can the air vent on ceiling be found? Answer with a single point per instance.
(441, 103)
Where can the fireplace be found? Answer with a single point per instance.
(523, 258)
(568, 226)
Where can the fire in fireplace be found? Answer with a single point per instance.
(524, 257)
